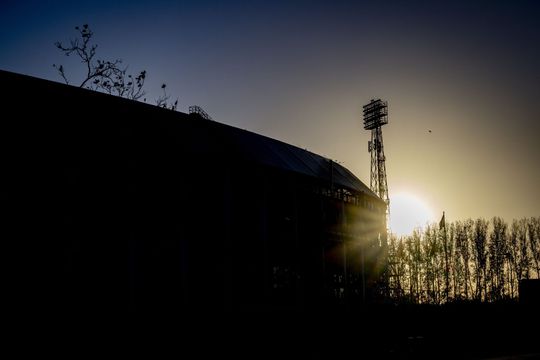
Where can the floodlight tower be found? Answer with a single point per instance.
(375, 116)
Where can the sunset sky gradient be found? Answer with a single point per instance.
(300, 71)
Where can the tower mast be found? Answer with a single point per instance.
(375, 116)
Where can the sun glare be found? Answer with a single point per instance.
(408, 212)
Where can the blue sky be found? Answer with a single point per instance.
(300, 71)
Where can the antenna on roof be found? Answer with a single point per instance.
(194, 109)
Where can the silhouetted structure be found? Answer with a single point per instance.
(375, 117)
(529, 292)
(109, 204)
(194, 109)
(117, 204)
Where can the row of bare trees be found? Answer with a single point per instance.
(477, 260)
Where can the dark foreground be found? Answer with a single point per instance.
(114, 204)
(376, 332)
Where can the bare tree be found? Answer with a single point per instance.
(434, 266)
(533, 230)
(481, 262)
(453, 260)
(520, 249)
(514, 255)
(497, 256)
(395, 268)
(480, 256)
(163, 100)
(447, 245)
(463, 246)
(414, 264)
(106, 75)
(401, 270)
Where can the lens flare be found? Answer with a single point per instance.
(408, 212)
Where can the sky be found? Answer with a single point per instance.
(300, 71)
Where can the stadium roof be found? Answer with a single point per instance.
(288, 157)
(192, 131)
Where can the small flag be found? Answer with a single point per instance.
(442, 224)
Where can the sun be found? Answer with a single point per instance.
(408, 212)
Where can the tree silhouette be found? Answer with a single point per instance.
(482, 260)
(533, 230)
(105, 75)
(480, 256)
(497, 255)
(519, 251)
(163, 100)
(396, 267)
(430, 248)
(463, 245)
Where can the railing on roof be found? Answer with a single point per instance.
(194, 109)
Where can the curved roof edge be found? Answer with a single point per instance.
(239, 142)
